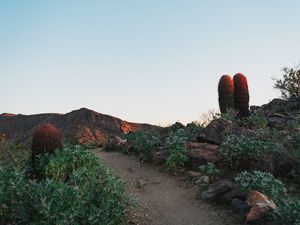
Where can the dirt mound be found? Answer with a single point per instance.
(81, 126)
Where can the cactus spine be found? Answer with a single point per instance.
(241, 94)
(226, 90)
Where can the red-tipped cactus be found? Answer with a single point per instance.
(241, 94)
(46, 139)
(225, 90)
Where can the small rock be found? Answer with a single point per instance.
(193, 175)
(261, 205)
(240, 206)
(224, 191)
(204, 179)
(142, 182)
(156, 181)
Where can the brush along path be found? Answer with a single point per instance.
(163, 199)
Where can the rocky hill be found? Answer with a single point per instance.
(81, 126)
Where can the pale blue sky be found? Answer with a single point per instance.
(155, 61)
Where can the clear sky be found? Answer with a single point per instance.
(155, 61)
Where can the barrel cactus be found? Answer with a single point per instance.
(46, 139)
(225, 90)
(241, 94)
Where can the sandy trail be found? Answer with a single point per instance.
(164, 199)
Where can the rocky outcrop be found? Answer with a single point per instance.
(260, 206)
(202, 153)
(218, 129)
(223, 191)
(281, 106)
(279, 112)
(81, 126)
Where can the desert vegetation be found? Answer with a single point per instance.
(61, 186)
(247, 158)
(259, 152)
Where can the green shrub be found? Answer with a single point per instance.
(84, 192)
(193, 129)
(242, 152)
(15, 204)
(62, 163)
(176, 152)
(265, 183)
(295, 142)
(288, 212)
(209, 169)
(256, 121)
(143, 143)
(270, 135)
(11, 153)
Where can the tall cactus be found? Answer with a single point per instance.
(46, 139)
(241, 94)
(225, 90)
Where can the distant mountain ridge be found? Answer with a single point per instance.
(83, 126)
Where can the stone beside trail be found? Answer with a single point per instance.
(163, 199)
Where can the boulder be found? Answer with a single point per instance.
(240, 206)
(280, 121)
(281, 106)
(202, 153)
(280, 164)
(260, 206)
(223, 191)
(218, 129)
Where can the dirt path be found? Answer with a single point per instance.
(163, 199)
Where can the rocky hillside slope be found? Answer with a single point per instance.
(81, 126)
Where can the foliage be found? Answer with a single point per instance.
(176, 150)
(295, 141)
(256, 121)
(241, 94)
(288, 212)
(84, 193)
(289, 85)
(209, 169)
(241, 152)
(63, 163)
(11, 153)
(265, 183)
(192, 129)
(230, 115)
(143, 143)
(46, 139)
(225, 91)
(269, 135)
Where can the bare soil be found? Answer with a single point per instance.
(162, 198)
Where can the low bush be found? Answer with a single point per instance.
(11, 153)
(63, 163)
(265, 183)
(176, 152)
(256, 121)
(241, 153)
(82, 191)
(143, 143)
(209, 169)
(288, 212)
(193, 129)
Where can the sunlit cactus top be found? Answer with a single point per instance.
(46, 138)
(225, 90)
(241, 94)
